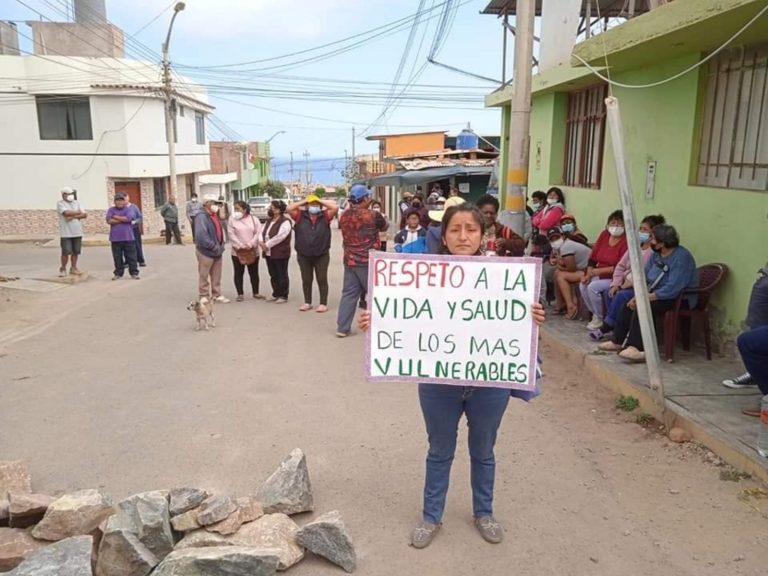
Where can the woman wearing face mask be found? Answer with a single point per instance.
(550, 215)
(312, 219)
(606, 254)
(442, 406)
(568, 259)
(621, 290)
(571, 229)
(276, 245)
(376, 207)
(244, 235)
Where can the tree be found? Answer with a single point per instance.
(319, 191)
(272, 188)
(341, 192)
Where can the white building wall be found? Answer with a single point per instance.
(128, 144)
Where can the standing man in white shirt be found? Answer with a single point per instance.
(70, 230)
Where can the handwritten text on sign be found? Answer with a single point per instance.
(453, 319)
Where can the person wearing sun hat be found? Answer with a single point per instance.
(360, 228)
(312, 229)
(434, 233)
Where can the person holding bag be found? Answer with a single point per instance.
(244, 235)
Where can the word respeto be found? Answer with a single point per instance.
(418, 274)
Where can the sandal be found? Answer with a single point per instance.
(572, 315)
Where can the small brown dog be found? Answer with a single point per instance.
(203, 309)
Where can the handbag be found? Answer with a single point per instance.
(246, 256)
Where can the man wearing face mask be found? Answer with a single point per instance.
(312, 218)
(209, 244)
(70, 231)
(193, 209)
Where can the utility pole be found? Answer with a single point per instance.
(306, 168)
(520, 119)
(170, 108)
(354, 161)
(292, 179)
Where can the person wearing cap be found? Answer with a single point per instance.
(170, 214)
(312, 224)
(276, 245)
(360, 228)
(405, 204)
(193, 209)
(501, 240)
(569, 259)
(120, 219)
(70, 230)
(434, 231)
(571, 229)
(209, 248)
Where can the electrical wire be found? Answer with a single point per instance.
(679, 74)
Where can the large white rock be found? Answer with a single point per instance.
(219, 561)
(73, 515)
(276, 531)
(327, 536)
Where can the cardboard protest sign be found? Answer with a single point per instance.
(463, 320)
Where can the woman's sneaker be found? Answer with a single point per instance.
(423, 534)
(743, 381)
(489, 529)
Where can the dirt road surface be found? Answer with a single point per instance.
(107, 385)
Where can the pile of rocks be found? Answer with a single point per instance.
(181, 532)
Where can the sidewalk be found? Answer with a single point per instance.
(692, 386)
(92, 240)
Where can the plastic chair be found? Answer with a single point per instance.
(710, 276)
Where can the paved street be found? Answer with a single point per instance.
(106, 384)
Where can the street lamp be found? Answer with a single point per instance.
(169, 108)
(269, 155)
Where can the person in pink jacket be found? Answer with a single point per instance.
(244, 235)
(549, 216)
(621, 290)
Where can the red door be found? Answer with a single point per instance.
(133, 191)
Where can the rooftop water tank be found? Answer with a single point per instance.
(467, 139)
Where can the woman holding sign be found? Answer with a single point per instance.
(442, 405)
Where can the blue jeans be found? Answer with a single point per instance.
(355, 285)
(753, 346)
(442, 406)
(615, 305)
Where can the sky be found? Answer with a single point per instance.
(254, 101)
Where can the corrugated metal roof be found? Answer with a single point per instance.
(610, 8)
(444, 163)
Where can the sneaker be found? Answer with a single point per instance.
(597, 335)
(143, 264)
(62, 272)
(135, 277)
(489, 529)
(281, 300)
(743, 381)
(595, 323)
(321, 309)
(609, 346)
(423, 534)
(221, 300)
(116, 277)
(270, 298)
(258, 297)
(340, 334)
(239, 298)
(632, 354)
(305, 307)
(75, 272)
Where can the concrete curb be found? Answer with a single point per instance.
(88, 242)
(734, 452)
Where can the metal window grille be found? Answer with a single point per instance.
(159, 191)
(734, 129)
(199, 127)
(584, 137)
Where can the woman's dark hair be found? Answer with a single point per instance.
(616, 215)
(459, 208)
(280, 205)
(560, 195)
(376, 203)
(244, 206)
(654, 220)
(667, 235)
(487, 199)
(540, 196)
(418, 196)
(411, 212)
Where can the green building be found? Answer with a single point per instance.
(697, 145)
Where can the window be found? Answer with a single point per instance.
(584, 137)
(64, 118)
(160, 191)
(734, 131)
(199, 127)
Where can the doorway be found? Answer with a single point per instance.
(132, 189)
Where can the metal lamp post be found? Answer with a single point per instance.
(169, 108)
(269, 154)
